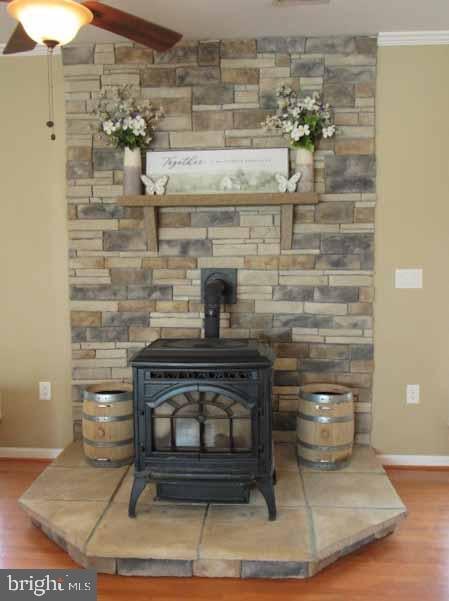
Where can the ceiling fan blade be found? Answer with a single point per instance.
(131, 27)
(20, 41)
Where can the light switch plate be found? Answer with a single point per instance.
(408, 278)
(412, 394)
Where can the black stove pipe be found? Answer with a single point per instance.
(213, 297)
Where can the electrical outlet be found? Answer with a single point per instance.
(45, 391)
(412, 394)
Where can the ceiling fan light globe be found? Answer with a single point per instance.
(50, 20)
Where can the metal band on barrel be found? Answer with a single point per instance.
(325, 464)
(107, 418)
(119, 443)
(325, 420)
(314, 447)
(103, 462)
(105, 397)
(314, 397)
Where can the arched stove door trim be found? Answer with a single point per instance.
(208, 425)
(231, 392)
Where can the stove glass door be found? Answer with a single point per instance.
(202, 421)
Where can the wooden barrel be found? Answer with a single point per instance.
(108, 424)
(325, 426)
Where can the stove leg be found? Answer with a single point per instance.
(138, 486)
(266, 488)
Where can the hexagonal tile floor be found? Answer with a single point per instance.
(321, 517)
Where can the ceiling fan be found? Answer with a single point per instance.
(56, 22)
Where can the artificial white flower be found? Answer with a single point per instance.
(284, 90)
(292, 116)
(108, 127)
(309, 103)
(295, 134)
(125, 120)
(328, 132)
(298, 132)
(138, 127)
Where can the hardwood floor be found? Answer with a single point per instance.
(411, 565)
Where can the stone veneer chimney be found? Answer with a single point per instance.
(313, 303)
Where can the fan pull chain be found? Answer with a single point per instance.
(51, 94)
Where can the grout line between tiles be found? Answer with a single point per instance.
(310, 524)
(203, 525)
(111, 498)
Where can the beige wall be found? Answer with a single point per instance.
(412, 230)
(34, 317)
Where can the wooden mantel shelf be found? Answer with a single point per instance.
(286, 201)
(220, 200)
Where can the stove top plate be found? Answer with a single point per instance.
(199, 345)
(206, 351)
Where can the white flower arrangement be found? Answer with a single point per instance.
(303, 121)
(127, 122)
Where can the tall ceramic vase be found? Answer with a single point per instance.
(132, 170)
(304, 164)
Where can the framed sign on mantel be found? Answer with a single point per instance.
(219, 171)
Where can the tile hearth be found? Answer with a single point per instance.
(321, 517)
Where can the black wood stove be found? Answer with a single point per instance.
(202, 419)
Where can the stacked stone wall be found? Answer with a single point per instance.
(313, 304)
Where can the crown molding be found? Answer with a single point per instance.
(37, 51)
(413, 38)
(384, 38)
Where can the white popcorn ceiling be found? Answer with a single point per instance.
(217, 19)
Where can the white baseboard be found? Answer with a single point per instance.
(415, 460)
(28, 453)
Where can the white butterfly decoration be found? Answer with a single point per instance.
(288, 185)
(154, 187)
